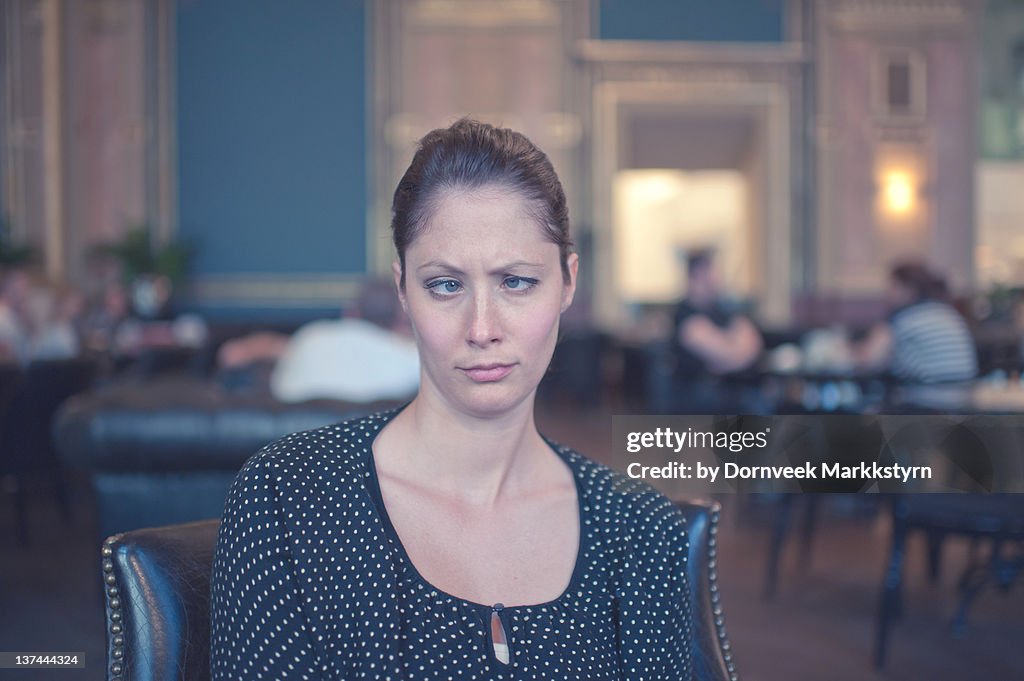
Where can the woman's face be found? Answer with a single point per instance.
(484, 291)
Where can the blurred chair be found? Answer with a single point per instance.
(845, 439)
(153, 362)
(577, 368)
(781, 524)
(998, 518)
(26, 445)
(10, 376)
(165, 451)
(158, 600)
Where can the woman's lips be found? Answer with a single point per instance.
(488, 373)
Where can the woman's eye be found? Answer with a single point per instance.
(519, 283)
(444, 287)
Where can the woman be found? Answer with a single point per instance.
(449, 539)
(925, 342)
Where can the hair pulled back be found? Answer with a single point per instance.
(472, 155)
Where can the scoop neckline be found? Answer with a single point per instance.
(378, 501)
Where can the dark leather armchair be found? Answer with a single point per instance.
(165, 452)
(712, 654)
(157, 585)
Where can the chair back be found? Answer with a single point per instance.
(11, 376)
(28, 418)
(712, 652)
(157, 586)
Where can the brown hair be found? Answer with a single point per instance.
(470, 155)
(919, 279)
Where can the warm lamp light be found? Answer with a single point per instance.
(899, 192)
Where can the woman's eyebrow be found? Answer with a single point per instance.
(440, 264)
(500, 269)
(518, 263)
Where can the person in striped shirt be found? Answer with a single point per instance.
(925, 342)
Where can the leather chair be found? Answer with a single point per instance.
(28, 404)
(165, 452)
(157, 584)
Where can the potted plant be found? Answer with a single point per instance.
(151, 273)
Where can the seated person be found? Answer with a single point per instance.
(711, 339)
(924, 342)
(363, 357)
(449, 539)
(137, 327)
(15, 334)
(105, 317)
(57, 313)
(255, 348)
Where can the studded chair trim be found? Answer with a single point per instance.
(157, 590)
(115, 616)
(723, 638)
(712, 653)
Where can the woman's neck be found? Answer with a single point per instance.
(477, 459)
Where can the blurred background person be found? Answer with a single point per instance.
(712, 338)
(924, 343)
(713, 335)
(57, 316)
(15, 333)
(365, 356)
(105, 316)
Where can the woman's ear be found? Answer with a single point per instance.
(573, 263)
(396, 270)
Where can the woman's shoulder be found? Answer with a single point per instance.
(633, 507)
(335, 453)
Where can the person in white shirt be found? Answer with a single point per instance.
(56, 313)
(363, 357)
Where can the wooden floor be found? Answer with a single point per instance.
(820, 626)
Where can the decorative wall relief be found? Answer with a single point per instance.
(85, 124)
(896, 101)
(506, 62)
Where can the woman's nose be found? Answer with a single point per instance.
(484, 326)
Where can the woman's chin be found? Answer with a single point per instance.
(488, 400)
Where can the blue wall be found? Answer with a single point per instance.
(715, 20)
(272, 128)
(271, 134)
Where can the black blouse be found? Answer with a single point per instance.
(310, 581)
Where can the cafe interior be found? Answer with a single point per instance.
(192, 190)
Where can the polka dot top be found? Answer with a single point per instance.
(310, 581)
